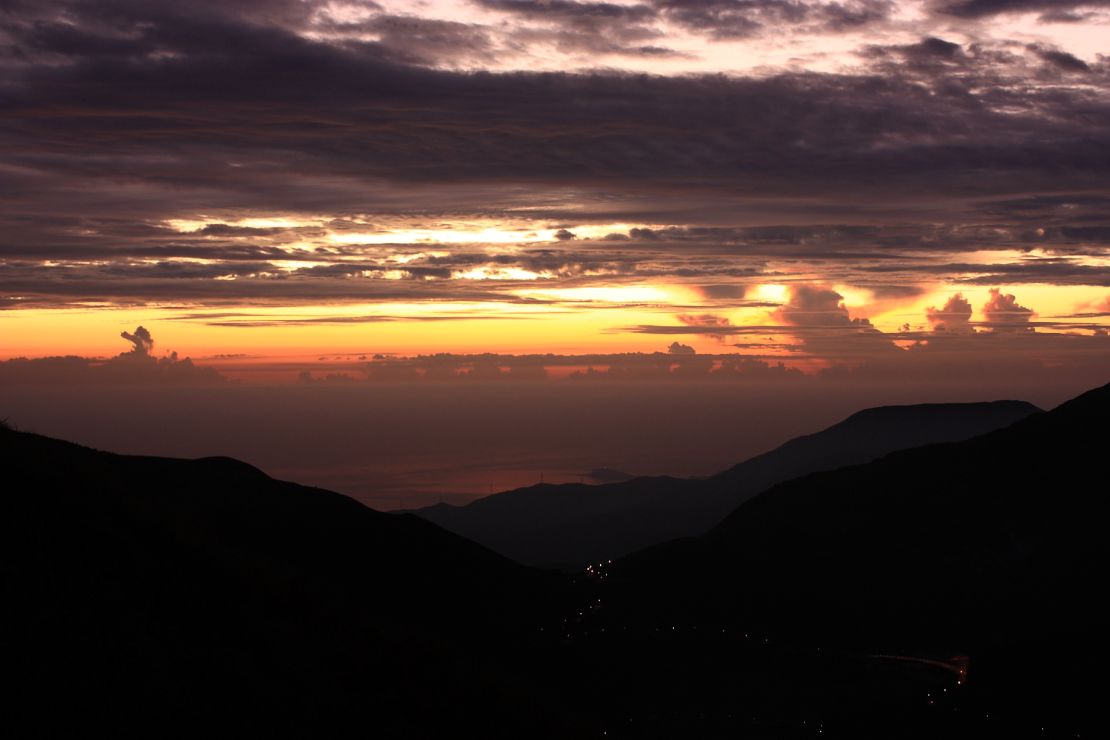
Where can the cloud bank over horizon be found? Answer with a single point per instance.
(833, 186)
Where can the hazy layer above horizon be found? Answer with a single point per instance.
(409, 445)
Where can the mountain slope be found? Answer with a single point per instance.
(569, 525)
(203, 588)
(182, 595)
(992, 548)
(941, 535)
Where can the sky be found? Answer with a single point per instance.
(700, 204)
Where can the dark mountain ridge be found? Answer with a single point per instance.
(942, 521)
(572, 524)
(945, 591)
(991, 548)
(199, 588)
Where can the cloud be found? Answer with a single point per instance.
(141, 341)
(714, 326)
(680, 363)
(814, 315)
(1003, 313)
(588, 13)
(895, 292)
(122, 123)
(586, 27)
(428, 41)
(251, 321)
(136, 367)
(703, 320)
(682, 150)
(742, 19)
(814, 305)
(1067, 270)
(987, 8)
(954, 316)
(722, 291)
(817, 315)
(228, 230)
(1061, 59)
(540, 128)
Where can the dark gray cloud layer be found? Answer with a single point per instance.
(122, 114)
(350, 112)
(590, 27)
(1058, 10)
(732, 19)
(163, 92)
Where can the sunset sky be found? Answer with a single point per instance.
(866, 192)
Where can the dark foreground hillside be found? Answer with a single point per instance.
(994, 548)
(142, 589)
(950, 591)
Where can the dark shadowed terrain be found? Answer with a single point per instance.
(141, 588)
(989, 548)
(571, 525)
(950, 590)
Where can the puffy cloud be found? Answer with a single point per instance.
(1003, 313)
(141, 341)
(817, 315)
(814, 305)
(713, 326)
(137, 367)
(954, 316)
(677, 348)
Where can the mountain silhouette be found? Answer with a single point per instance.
(142, 589)
(991, 547)
(572, 524)
(949, 590)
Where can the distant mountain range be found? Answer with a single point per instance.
(572, 524)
